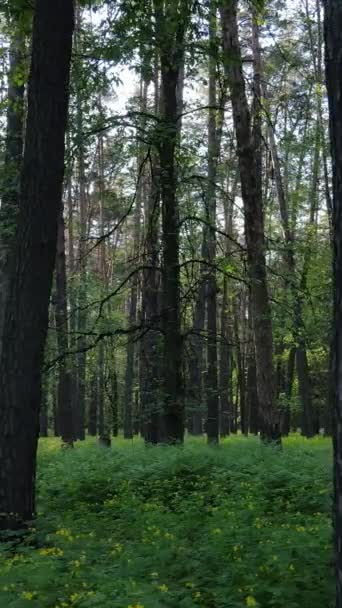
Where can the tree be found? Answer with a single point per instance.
(254, 222)
(172, 19)
(333, 45)
(33, 260)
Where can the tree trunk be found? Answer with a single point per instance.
(254, 225)
(171, 25)
(65, 417)
(33, 261)
(150, 343)
(333, 45)
(196, 362)
(12, 165)
(80, 406)
(212, 426)
(92, 414)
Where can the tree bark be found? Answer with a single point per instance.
(254, 224)
(33, 260)
(333, 46)
(171, 24)
(12, 164)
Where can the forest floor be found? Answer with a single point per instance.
(194, 527)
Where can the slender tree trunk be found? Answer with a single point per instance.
(225, 370)
(133, 301)
(33, 260)
(65, 417)
(93, 407)
(80, 405)
(196, 358)
(213, 152)
(254, 225)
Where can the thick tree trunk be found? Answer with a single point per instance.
(12, 165)
(171, 25)
(254, 225)
(65, 414)
(333, 45)
(33, 261)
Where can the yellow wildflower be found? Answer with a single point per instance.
(27, 595)
(251, 601)
(74, 597)
(163, 588)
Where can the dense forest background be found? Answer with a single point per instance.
(150, 323)
(170, 287)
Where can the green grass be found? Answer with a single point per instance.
(228, 527)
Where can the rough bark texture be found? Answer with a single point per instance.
(33, 261)
(254, 224)
(333, 42)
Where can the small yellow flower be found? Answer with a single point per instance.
(163, 588)
(135, 606)
(251, 601)
(74, 597)
(27, 595)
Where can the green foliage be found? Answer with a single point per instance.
(240, 525)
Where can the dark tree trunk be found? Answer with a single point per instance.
(92, 414)
(213, 152)
(100, 389)
(65, 417)
(333, 45)
(115, 404)
(12, 165)
(254, 225)
(225, 363)
(32, 264)
(196, 363)
(171, 24)
(239, 322)
(150, 343)
(252, 393)
(80, 393)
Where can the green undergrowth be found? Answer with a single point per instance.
(164, 527)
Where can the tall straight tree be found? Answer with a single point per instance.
(333, 46)
(213, 152)
(172, 19)
(32, 263)
(254, 221)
